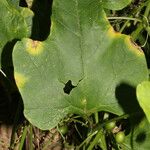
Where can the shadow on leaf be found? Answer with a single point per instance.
(141, 137)
(126, 96)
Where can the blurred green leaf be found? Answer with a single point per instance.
(115, 4)
(139, 137)
(143, 95)
(84, 57)
(14, 23)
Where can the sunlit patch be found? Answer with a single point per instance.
(20, 79)
(34, 47)
(133, 46)
(84, 102)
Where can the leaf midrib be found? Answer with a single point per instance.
(80, 36)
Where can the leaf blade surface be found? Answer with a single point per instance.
(83, 48)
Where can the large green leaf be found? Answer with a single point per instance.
(143, 95)
(15, 23)
(115, 4)
(82, 49)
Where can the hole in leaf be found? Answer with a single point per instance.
(68, 87)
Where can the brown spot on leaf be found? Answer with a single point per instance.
(34, 47)
(133, 46)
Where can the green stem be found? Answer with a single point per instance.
(146, 13)
(30, 136)
(134, 12)
(140, 27)
(124, 18)
(96, 117)
(148, 30)
(96, 139)
(23, 137)
(86, 140)
(135, 33)
(111, 120)
(78, 131)
(99, 127)
(78, 121)
(124, 25)
(100, 133)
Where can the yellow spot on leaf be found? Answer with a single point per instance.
(133, 46)
(20, 80)
(130, 44)
(112, 33)
(34, 47)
